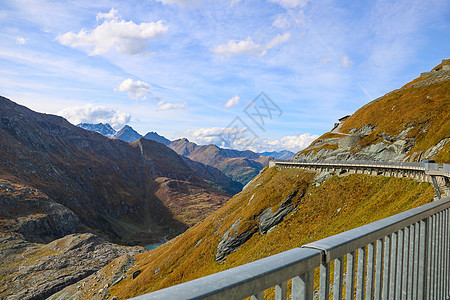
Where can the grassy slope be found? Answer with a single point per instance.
(338, 204)
(426, 108)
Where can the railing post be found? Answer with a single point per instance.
(416, 260)
(338, 278)
(422, 285)
(258, 296)
(360, 277)
(281, 291)
(303, 286)
(324, 288)
(378, 270)
(399, 272)
(405, 269)
(393, 264)
(386, 267)
(350, 279)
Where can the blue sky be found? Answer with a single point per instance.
(191, 68)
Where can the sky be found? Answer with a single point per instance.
(260, 75)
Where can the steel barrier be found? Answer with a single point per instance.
(405, 256)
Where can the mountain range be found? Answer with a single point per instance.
(130, 193)
(66, 193)
(240, 166)
(281, 209)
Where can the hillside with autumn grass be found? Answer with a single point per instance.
(317, 210)
(408, 124)
(283, 209)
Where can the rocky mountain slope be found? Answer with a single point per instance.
(408, 124)
(131, 193)
(127, 134)
(283, 154)
(241, 166)
(156, 137)
(103, 129)
(282, 209)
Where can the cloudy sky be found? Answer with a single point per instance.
(265, 75)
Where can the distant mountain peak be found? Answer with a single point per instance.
(128, 134)
(156, 137)
(104, 129)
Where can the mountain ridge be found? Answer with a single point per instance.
(109, 184)
(281, 209)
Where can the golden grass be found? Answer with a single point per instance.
(338, 204)
(426, 108)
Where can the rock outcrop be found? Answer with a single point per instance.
(37, 271)
(233, 238)
(269, 219)
(33, 215)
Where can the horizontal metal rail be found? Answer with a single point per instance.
(405, 256)
(418, 166)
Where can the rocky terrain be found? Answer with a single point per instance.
(136, 193)
(152, 190)
(36, 271)
(408, 124)
(282, 209)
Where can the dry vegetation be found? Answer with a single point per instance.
(425, 108)
(338, 204)
(422, 109)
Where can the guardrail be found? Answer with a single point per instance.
(405, 256)
(420, 166)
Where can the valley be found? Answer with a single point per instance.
(70, 197)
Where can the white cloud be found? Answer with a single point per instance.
(234, 47)
(95, 114)
(232, 102)
(346, 62)
(279, 39)
(162, 106)
(281, 22)
(113, 33)
(239, 47)
(292, 143)
(20, 40)
(243, 141)
(113, 14)
(291, 3)
(136, 89)
(182, 3)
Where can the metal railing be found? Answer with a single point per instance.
(405, 256)
(365, 163)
